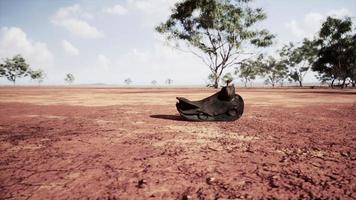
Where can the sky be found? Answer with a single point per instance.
(107, 41)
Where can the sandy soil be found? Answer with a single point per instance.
(109, 143)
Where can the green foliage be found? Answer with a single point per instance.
(69, 78)
(249, 69)
(38, 75)
(14, 68)
(275, 71)
(336, 45)
(211, 80)
(299, 59)
(217, 31)
(227, 78)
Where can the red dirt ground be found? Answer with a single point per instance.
(109, 143)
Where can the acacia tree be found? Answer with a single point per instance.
(352, 61)
(69, 78)
(38, 75)
(14, 68)
(217, 31)
(154, 82)
(275, 71)
(350, 55)
(227, 78)
(169, 81)
(299, 59)
(249, 69)
(336, 51)
(128, 81)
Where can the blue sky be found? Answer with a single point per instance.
(109, 41)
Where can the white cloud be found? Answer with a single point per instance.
(339, 13)
(147, 6)
(152, 11)
(14, 41)
(294, 28)
(73, 18)
(116, 10)
(312, 21)
(104, 61)
(69, 48)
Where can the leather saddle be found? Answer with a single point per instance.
(224, 105)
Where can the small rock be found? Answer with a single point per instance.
(186, 197)
(275, 181)
(345, 154)
(141, 183)
(210, 180)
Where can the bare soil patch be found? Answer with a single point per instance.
(130, 143)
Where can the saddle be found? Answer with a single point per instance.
(224, 105)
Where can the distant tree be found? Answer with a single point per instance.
(169, 81)
(299, 59)
(249, 69)
(336, 45)
(128, 81)
(37, 75)
(227, 78)
(211, 80)
(14, 68)
(275, 71)
(353, 67)
(69, 78)
(217, 31)
(154, 82)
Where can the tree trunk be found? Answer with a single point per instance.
(300, 84)
(216, 83)
(343, 83)
(332, 83)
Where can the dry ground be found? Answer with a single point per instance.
(109, 143)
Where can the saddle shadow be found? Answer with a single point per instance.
(168, 117)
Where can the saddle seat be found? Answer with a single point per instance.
(224, 105)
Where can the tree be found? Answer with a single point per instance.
(299, 59)
(275, 71)
(351, 52)
(336, 51)
(128, 81)
(169, 81)
(69, 78)
(217, 31)
(38, 75)
(154, 82)
(249, 69)
(14, 68)
(211, 80)
(227, 78)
